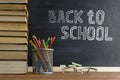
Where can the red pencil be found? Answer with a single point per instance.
(36, 41)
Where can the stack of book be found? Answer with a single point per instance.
(13, 36)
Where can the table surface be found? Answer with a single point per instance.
(64, 76)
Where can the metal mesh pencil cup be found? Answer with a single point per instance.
(42, 60)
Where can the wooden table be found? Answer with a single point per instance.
(64, 76)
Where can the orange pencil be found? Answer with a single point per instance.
(51, 41)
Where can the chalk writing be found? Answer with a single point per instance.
(87, 32)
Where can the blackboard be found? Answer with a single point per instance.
(87, 31)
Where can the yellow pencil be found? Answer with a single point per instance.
(32, 44)
(33, 38)
(47, 54)
(38, 53)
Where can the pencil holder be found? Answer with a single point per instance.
(43, 61)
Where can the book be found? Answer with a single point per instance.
(15, 55)
(13, 34)
(16, 13)
(12, 47)
(13, 40)
(13, 26)
(13, 19)
(13, 67)
(13, 1)
(13, 7)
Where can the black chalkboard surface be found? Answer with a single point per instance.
(87, 31)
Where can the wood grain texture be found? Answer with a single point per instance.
(64, 76)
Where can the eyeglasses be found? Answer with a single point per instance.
(77, 68)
